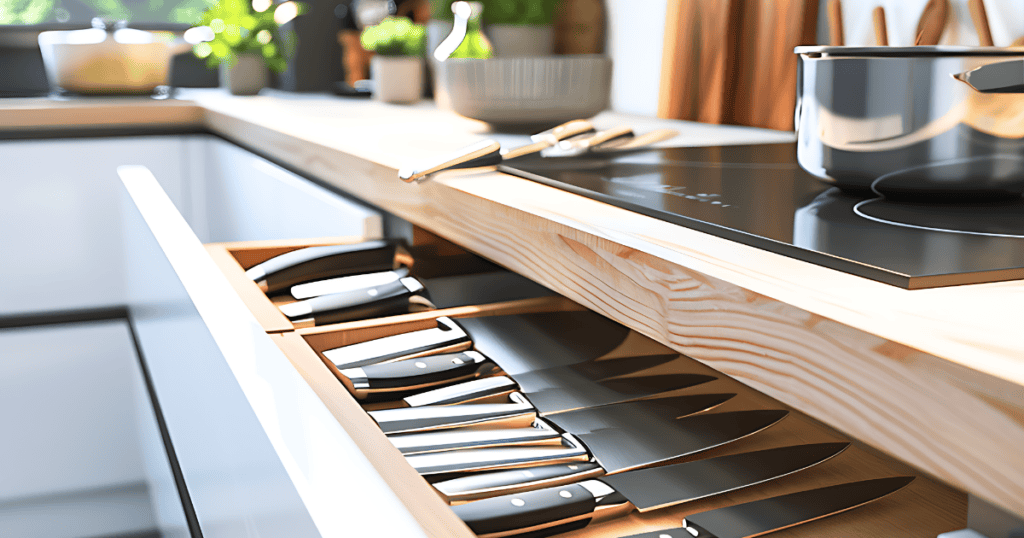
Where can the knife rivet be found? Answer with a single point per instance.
(692, 531)
(518, 502)
(420, 364)
(564, 494)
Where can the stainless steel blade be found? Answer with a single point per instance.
(526, 342)
(649, 489)
(575, 392)
(659, 411)
(646, 440)
(761, 517)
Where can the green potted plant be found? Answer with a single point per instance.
(521, 27)
(244, 39)
(397, 66)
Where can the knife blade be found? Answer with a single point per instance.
(554, 390)
(758, 518)
(488, 152)
(460, 438)
(400, 297)
(548, 511)
(447, 336)
(317, 263)
(378, 381)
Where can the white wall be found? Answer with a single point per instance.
(1006, 19)
(636, 34)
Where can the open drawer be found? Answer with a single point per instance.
(268, 440)
(451, 276)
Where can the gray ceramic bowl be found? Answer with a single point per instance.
(528, 91)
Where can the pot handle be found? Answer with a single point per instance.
(1001, 77)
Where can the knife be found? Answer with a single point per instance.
(758, 518)
(316, 263)
(462, 438)
(488, 152)
(553, 390)
(574, 506)
(400, 297)
(617, 450)
(347, 283)
(448, 337)
(417, 419)
(465, 392)
(475, 486)
(485, 459)
(386, 380)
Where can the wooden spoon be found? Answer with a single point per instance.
(932, 23)
(980, 19)
(835, 23)
(881, 34)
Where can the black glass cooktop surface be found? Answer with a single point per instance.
(758, 195)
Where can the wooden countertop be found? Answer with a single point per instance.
(934, 377)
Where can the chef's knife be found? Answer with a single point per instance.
(488, 152)
(460, 438)
(465, 392)
(572, 506)
(317, 263)
(387, 380)
(554, 390)
(447, 336)
(475, 486)
(758, 518)
(347, 283)
(428, 418)
(617, 450)
(400, 297)
(485, 459)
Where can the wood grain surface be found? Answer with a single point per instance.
(933, 377)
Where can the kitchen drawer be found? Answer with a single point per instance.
(269, 441)
(435, 261)
(923, 509)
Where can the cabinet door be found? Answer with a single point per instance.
(60, 233)
(70, 456)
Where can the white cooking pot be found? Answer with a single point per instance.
(98, 60)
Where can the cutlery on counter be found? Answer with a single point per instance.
(758, 518)
(642, 442)
(317, 263)
(573, 506)
(447, 337)
(488, 152)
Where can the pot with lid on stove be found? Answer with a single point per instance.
(913, 122)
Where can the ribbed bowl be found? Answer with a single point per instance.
(528, 90)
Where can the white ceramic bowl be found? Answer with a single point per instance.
(93, 61)
(529, 91)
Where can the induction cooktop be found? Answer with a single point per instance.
(759, 196)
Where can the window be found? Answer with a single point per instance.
(80, 12)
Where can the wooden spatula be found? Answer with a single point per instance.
(881, 35)
(932, 23)
(980, 19)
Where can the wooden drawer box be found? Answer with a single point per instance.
(923, 509)
(433, 258)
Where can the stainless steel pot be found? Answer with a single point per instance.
(897, 121)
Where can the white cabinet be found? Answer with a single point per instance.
(60, 232)
(70, 457)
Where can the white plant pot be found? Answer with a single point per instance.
(514, 40)
(247, 76)
(397, 79)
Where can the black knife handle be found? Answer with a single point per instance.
(535, 511)
(495, 483)
(686, 531)
(422, 373)
(392, 306)
(316, 263)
